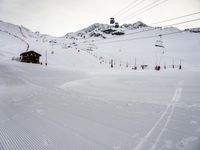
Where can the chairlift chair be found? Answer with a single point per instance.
(159, 43)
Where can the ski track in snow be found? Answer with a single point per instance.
(168, 112)
(175, 99)
(55, 109)
(20, 29)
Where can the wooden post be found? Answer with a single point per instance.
(135, 66)
(165, 67)
(46, 57)
(111, 63)
(126, 64)
(180, 67)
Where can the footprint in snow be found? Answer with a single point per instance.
(46, 141)
(30, 96)
(5, 120)
(193, 122)
(105, 102)
(16, 100)
(40, 111)
(129, 104)
(168, 144)
(135, 135)
(35, 93)
(198, 129)
(118, 107)
(116, 147)
(184, 142)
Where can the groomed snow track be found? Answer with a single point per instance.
(119, 111)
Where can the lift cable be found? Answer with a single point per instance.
(140, 38)
(144, 9)
(127, 10)
(175, 18)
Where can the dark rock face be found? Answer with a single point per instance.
(136, 25)
(108, 31)
(118, 33)
(101, 30)
(194, 30)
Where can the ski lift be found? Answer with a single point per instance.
(112, 20)
(116, 25)
(159, 43)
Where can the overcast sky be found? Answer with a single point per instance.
(58, 17)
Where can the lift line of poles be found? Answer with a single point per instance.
(112, 63)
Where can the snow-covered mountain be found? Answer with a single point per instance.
(195, 30)
(103, 30)
(17, 39)
(99, 43)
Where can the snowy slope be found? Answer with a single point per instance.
(146, 52)
(123, 49)
(104, 45)
(76, 103)
(63, 56)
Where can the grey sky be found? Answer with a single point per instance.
(58, 17)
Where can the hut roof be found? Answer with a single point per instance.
(31, 51)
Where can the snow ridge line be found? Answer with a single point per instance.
(20, 29)
(175, 99)
(19, 38)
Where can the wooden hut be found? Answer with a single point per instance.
(30, 57)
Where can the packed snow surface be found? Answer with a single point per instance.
(77, 102)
